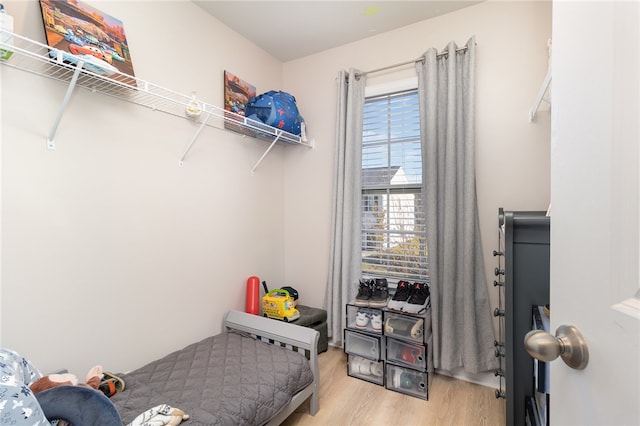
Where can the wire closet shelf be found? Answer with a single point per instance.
(40, 59)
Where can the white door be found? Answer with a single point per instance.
(594, 208)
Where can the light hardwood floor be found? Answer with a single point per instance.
(346, 400)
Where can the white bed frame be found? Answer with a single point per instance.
(290, 336)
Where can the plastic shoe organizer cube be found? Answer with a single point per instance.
(408, 354)
(364, 345)
(366, 369)
(364, 319)
(407, 381)
(403, 326)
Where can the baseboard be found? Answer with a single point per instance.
(487, 379)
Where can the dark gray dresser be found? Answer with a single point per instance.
(522, 277)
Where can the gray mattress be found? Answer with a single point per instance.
(227, 379)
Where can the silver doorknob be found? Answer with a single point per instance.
(568, 343)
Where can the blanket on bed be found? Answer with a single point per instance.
(227, 379)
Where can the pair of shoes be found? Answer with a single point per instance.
(411, 356)
(407, 327)
(411, 381)
(406, 380)
(373, 293)
(366, 367)
(413, 298)
(363, 317)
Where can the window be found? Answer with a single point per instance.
(394, 242)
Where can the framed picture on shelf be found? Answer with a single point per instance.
(237, 93)
(84, 33)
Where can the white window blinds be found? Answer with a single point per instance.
(393, 222)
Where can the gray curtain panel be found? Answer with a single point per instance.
(345, 254)
(462, 329)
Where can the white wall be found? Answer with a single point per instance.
(512, 154)
(111, 253)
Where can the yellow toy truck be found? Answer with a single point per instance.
(278, 304)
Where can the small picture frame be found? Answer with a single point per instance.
(237, 93)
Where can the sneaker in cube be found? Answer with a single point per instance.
(362, 319)
(361, 366)
(376, 322)
(396, 377)
(377, 369)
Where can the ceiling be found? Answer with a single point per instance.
(290, 30)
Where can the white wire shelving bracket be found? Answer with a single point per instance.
(50, 143)
(543, 90)
(40, 59)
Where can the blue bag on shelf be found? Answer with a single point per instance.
(277, 109)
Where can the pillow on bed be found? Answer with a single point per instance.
(18, 404)
(78, 405)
